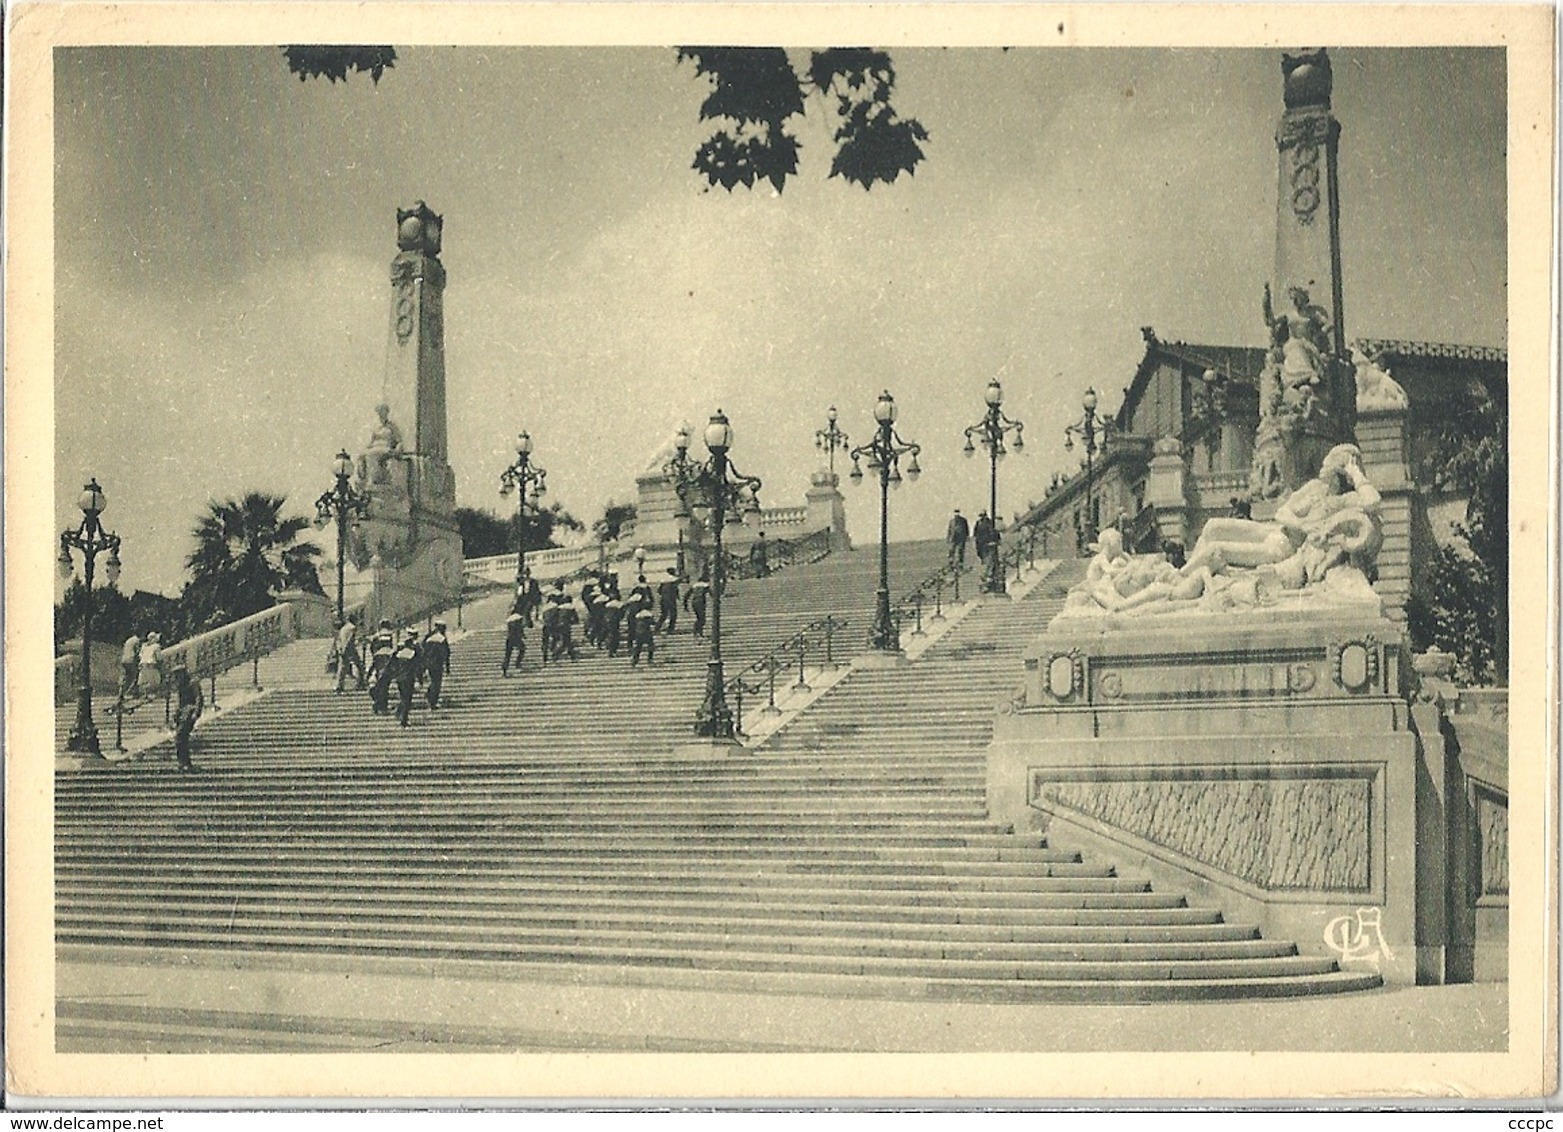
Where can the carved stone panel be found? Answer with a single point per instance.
(1277, 833)
(1492, 823)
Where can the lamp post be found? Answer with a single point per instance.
(990, 432)
(529, 482)
(715, 487)
(829, 440)
(679, 469)
(1094, 432)
(884, 454)
(92, 540)
(341, 504)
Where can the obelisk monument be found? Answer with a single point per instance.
(1307, 390)
(410, 547)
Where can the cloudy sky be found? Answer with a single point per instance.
(224, 234)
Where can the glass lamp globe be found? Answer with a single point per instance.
(830, 414)
(92, 501)
(524, 444)
(994, 395)
(885, 411)
(342, 466)
(719, 434)
(111, 568)
(1089, 400)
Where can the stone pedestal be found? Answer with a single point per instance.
(827, 510)
(657, 523)
(1381, 435)
(1265, 765)
(1166, 489)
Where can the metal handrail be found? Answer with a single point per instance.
(788, 657)
(1024, 550)
(931, 590)
(781, 553)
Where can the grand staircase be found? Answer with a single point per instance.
(538, 825)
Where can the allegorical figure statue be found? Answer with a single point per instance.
(385, 444)
(1329, 523)
(1296, 396)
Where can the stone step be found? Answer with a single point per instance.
(699, 879)
(1063, 912)
(279, 937)
(481, 905)
(682, 937)
(819, 984)
(697, 869)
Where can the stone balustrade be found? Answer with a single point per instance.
(545, 565)
(779, 518)
(249, 638)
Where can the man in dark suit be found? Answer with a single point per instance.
(956, 535)
(436, 662)
(189, 704)
(667, 603)
(695, 601)
(404, 669)
(986, 536)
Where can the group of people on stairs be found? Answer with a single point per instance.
(612, 621)
(384, 661)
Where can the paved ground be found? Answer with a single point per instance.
(171, 1004)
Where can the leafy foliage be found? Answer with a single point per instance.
(115, 616)
(1458, 615)
(1466, 609)
(876, 145)
(484, 533)
(335, 63)
(618, 520)
(757, 89)
(245, 553)
(111, 613)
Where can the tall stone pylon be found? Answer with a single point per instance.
(409, 551)
(1307, 390)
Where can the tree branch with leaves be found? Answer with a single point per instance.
(756, 91)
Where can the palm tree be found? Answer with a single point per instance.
(245, 553)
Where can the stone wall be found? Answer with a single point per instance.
(1267, 765)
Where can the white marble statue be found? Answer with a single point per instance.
(385, 444)
(1376, 388)
(1322, 542)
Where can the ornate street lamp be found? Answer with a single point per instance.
(1094, 432)
(92, 540)
(715, 488)
(884, 454)
(343, 505)
(830, 439)
(530, 482)
(990, 432)
(679, 469)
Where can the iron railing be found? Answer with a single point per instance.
(780, 554)
(928, 597)
(1020, 557)
(788, 662)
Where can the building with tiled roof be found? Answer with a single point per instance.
(1206, 398)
